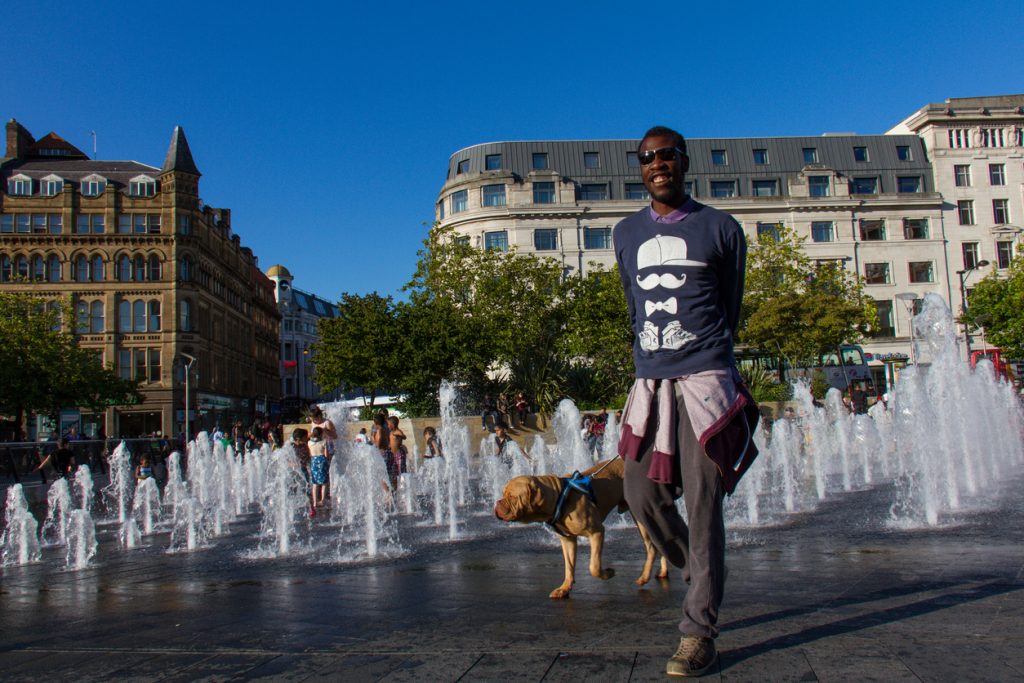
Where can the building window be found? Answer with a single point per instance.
(1001, 211)
(992, 137)
(153, 268)
(769, 230)
(872, 230)
(96, 317)
(53, 270)
(124, 316)
(810, 155)
(962, 175)
(822, 231)
(440, 210)
(766, 188)
(24, 222)
(90, 223)
(81, 271)
(876, 273)
(124, 364)
(6, 223)
(819, 186)
(921, 271)
(903, 153)
(185, 315)
(719, 157)
(591, 160)
(632, 160)
(498, 239)
(142, 186)
(637, 191)
(93, 187)
(885, 327)
(864, 186)
(154, 316)
(907, 184)
(915, 228)
(460, 201)
(140, 269)
(959, 138)
(1004, 254)
(970, 251)
(82, 317)
(597, 238)
(545, 239)
(492, 162)
(97, 269)
(185, 269)
(6, 272)
(723, 188)
(965, 210)
(51, 185)
(38, 273)
(689, 188)
(140, 364)
(593, 191)
(184, 224)
(154, 365)
(997, 174)
(39, 223)
(860, 153)
(539, 161)
(494, 195)
(123, 269)
(462, 167)
(20, 186)
(138, 223)
(544, 193)
(760, 157)
(21, 267)
(139, 316)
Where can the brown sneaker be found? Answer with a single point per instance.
(694, 657)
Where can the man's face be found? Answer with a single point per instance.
(664, 179)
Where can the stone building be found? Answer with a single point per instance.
(154, 276)
(976, 149)
(867, 201)
(300, 313)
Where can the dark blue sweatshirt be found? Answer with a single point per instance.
(684, 284)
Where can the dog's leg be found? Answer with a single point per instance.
(651, 554)
(569, 555)
(596, 544)
(663, 574)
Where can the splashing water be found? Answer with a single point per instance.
(20, 541)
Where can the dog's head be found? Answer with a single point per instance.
(528, 499)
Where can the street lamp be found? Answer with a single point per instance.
(909, 298)
(189, 360)
(964, 274)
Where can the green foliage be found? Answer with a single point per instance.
(997, 305)
(42, 368)
(764, 385)
(796, 308)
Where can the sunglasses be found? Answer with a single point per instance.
(665, 154)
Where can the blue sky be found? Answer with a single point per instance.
(326, 127)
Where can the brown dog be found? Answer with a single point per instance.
(535, 499)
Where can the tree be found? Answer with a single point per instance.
(360, 347)
(42, 368)
(796, 308)
(997, 305)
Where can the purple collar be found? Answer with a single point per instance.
(675, 215)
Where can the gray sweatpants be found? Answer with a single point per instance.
(700, 549)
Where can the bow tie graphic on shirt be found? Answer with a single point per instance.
(668, 305)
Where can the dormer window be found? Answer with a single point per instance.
(51, 185)
(142, 186)
(93, 185)
(19, 186)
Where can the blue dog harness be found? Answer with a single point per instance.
(576, 482)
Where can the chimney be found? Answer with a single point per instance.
(18, 140)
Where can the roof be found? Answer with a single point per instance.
(52, 144)
(77, 169)
(314, 305)
(179, 156)
(277, 270)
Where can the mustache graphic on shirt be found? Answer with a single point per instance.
(666, 280)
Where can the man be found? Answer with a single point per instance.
(688, 420)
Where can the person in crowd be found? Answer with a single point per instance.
(318, 465)
(433, 443)
(503, 446)
(63, 460)
(521, 408)
(490, 408)
(399, 451)
(504, 408)
(144, 469)
(380, 437)
(362, 436)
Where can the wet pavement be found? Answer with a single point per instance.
(832, 595)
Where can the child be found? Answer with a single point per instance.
(433, 443)
(144, 470)
(501, 442)
(398, 450)
(299, 442)
(318, 465)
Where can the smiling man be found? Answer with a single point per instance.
(689, 420)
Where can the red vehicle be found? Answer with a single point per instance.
(998, 364)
